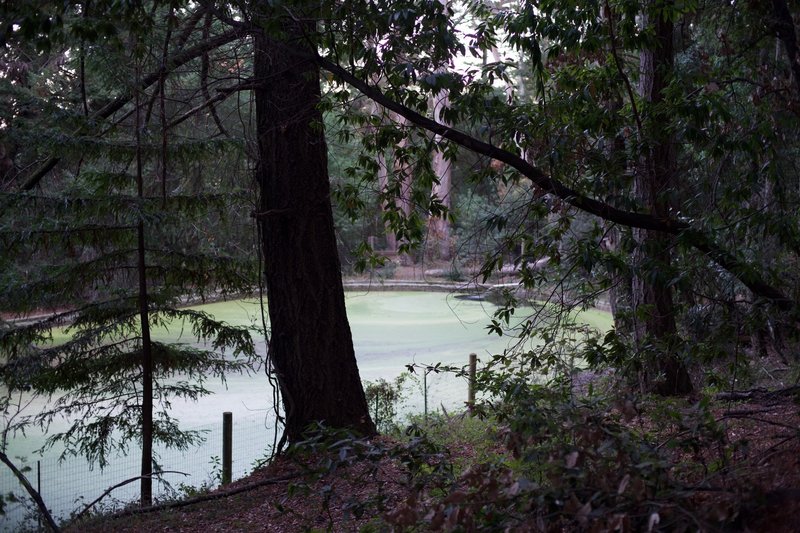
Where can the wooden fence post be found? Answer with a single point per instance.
(425, 395)
(473, 368)
(227, 447)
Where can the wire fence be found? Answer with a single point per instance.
(66, 486)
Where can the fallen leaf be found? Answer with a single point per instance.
(623, 484)
(572, 459)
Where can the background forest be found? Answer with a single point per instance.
(640, 155)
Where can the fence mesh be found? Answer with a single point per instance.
(66, 486)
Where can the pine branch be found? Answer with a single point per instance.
(222, 94)
(179, 59)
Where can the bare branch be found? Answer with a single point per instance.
(109, 490)
(31, 491)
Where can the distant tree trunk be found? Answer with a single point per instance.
(439, 227)
(783, 24)
(383, 182)
(652, 302)
(619, 293)
(310, 346)
(7, 164)
(403, 176)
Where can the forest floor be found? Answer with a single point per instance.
(758, 489)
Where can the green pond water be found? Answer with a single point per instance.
(390, 330)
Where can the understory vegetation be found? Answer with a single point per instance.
(545, 458)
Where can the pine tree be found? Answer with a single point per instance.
(113, 244)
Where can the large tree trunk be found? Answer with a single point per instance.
(310, 346)
(652, 296)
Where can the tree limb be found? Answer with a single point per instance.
(109, 490)
(698, 239)
(216, 495)
(189, 26)
(34, 494)
(222, 94)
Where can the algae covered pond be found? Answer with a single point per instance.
(390, 330)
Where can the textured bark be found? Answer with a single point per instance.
(311, 345)
(783, 25)
(651, 296)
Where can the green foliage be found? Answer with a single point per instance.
(577, 464)
(572, 109)
(328, 452)
(472, 440)
(562, 95)
(540, 457)
(185, 491)
(383, 398)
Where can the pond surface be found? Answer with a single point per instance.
(390, 330)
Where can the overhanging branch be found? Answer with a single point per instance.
(696, 238)
(536, 175)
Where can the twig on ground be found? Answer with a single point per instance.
(206, 497)
(109, 490)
